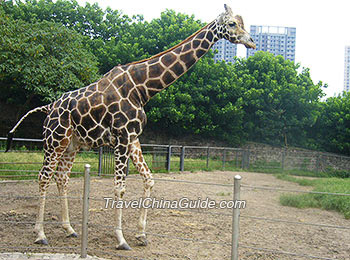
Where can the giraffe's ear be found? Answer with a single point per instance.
(228, 9)
(240, 20)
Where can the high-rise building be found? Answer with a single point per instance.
(225, 51)
(274, 39)
(347, 69)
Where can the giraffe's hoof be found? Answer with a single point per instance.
(124, 246)
(142, 240)
(73, 235)
(41, 241)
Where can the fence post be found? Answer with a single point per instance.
(236, 159)
(208, 156)
(84, 229)
(168, 159)
(100, 153)
(248, 159)
(127, 167)
(182, 159)
(283, 158)
(318, 163)
(223, 158)
(235, 217)
(244, 158)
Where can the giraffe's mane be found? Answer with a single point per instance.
(172, 48)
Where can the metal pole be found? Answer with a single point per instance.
(236, 159)
(182, 159)
(111, 162)
(208, 156)
(127, 167)
(235, 217)
(248, 158)
(168, 159)
(107, 160)
(223, 158)
(84, 229)
(318, 163)
(284, 155)
(100, 152)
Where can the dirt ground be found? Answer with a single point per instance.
(203, 236)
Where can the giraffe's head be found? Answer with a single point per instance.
(232, 29)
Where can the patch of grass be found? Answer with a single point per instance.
(324, 201)
(28, 164)
(224, 194)
(306, 173)
(299, 201)
(300, 181)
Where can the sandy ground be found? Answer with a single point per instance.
(202, 235)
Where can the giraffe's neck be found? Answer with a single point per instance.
(155, 74)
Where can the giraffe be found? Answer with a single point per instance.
(110, 112)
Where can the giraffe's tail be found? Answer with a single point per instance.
(10, 135)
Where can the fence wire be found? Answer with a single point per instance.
(166, 236)
(295, 222)
(296, 191)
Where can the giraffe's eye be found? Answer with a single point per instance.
(232, 24)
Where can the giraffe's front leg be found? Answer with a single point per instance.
(142, 168)
(121, 158)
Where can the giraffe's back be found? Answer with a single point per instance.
(96, 113)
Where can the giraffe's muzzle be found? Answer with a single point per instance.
(250, 44)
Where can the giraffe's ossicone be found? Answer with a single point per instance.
(110, 112)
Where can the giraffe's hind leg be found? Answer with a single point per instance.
(54, 149)
(64, 168)
(45, 175)
(148, 182)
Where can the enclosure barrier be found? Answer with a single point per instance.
(188, 158)
(85, 222)
(235, 221)
(171, 152)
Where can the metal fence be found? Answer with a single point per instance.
(183, 158)
(176, 158)
(235, 215)
(188, 158)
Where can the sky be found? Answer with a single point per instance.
(323, 27)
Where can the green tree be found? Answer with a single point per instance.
(280, 104)
(114, 38)
(42, 59)
(88, 20)
(105, 31)
(332, 130)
